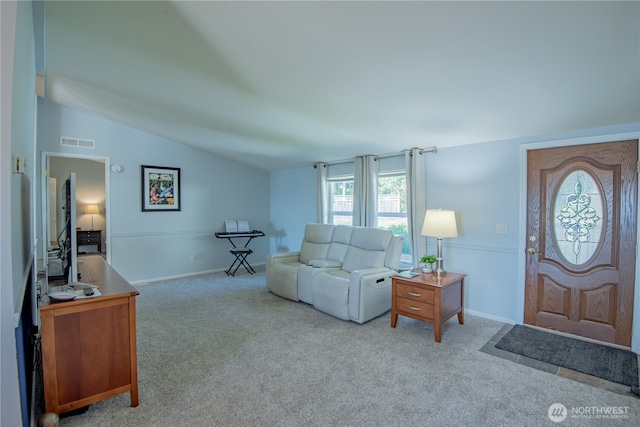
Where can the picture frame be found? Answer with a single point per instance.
(160, 189)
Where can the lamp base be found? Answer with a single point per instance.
(439, 270)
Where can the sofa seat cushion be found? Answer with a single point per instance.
(306, 274)
(330, 292)
(284, 279)
(325, 263)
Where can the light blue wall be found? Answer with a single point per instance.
(482, 192)
(482, 183)
(17, 77)
(9, 387)
(293, 205)
(294, 201)
(22, 138)
(153, 245)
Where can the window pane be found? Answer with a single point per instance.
(341, 203)
(578, 212)
(392, 207)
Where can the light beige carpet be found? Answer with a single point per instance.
(222, 351)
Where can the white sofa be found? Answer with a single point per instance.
(341, 270)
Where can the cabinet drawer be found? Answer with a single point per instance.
(91, 237)
(415, 293)
(415, 308)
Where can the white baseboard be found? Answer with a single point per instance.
(180, 276)
(489, 316)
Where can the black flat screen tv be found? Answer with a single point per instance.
(69, 246)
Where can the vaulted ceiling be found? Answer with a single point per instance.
(284, 84)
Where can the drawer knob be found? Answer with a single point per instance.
(414, 308)
(413, 294)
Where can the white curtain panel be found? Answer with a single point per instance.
(322, 170)
(416, 201)
(365, 191)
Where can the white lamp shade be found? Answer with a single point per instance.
(91, 209)
(439, 223)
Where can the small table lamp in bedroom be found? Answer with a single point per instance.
(91, 209)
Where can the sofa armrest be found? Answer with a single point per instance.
(369, 273)
(281, 274)
(369, 293)
(282, 257)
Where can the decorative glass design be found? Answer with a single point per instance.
(578, 213)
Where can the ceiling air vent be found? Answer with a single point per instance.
(65, 141)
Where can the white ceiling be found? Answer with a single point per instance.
(284, 84)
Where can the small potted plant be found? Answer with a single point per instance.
(427, 262)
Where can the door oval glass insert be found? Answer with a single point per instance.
(578, 208)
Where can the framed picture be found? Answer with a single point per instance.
(160, 188)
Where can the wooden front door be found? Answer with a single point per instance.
(581, 240)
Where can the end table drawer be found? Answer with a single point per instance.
(415, 293)
(415, 308)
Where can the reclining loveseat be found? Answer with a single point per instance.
(341, 270)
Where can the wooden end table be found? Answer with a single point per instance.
(428, 297)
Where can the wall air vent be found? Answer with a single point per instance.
(65, 141)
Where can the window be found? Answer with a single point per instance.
(578, 210)
(392, 207)
(341, 200)
(392, 204)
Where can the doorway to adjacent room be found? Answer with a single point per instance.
(91, 196)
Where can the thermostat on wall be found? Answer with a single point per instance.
(116, 168)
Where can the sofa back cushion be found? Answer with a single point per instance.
(317, 238)
(394, 253)
(368, 248)
(340, 242)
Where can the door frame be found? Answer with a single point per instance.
(522, 226)
(46, 155)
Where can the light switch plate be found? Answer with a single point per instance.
(19, 164)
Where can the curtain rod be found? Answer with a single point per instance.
(433, 149)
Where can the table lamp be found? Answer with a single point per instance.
(91, 209)
(439, 223)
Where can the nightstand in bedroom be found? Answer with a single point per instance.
(428, 297)
(90, 238)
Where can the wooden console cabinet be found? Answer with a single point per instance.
(89, 345)
(429, 298)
